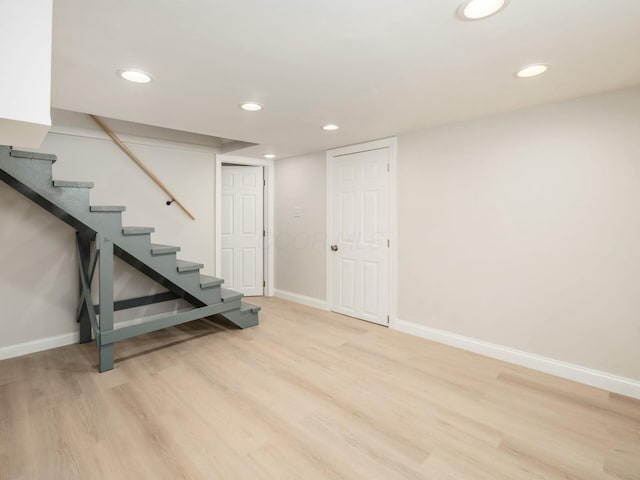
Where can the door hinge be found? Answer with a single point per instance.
(264, 233)
(264, 283)
(264, 183)
(387, 318)
(388, 243)
(388, 167)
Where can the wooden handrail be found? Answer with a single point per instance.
(144, 168)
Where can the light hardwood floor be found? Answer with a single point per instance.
(307, 394)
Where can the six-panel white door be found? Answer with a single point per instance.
(242, 229)
(360, 234)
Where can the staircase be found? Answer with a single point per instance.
(100, 236)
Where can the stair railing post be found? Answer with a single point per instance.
(106, 301)
(84, 254)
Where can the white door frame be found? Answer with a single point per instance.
(268, 214)
(391, 144)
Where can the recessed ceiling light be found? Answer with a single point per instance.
(532, 70)
(251, 106)
(479, 9)
(135, 76)
(330, 127)
(269, 155)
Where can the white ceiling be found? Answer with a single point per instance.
(374, 67)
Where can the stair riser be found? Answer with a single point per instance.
(136, 244)
(110, 221)
(164, 264)
(191, 279)
(109, 224)
(211, 295)
(31, 170)
(80, 196)
(242, 320)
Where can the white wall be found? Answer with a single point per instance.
(524, 230)
(25, 71)
(39, 285)
(521, 229)
(300, 240)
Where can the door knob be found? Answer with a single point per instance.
(334, 248)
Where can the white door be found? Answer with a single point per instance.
(360, 234)
(242, 230)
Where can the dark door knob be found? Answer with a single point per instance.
(334, 248)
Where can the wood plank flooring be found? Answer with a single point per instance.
(306, 395)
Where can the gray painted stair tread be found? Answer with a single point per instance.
(249, 308)
(74, 184)
(107, 208)
(229, 295)
(158, 249)
(33, 155)
(186, 266)
(207, 282)
(137, 230)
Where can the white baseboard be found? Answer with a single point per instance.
(39, 345)
(34, 346)
(304, 300)
(595, 378)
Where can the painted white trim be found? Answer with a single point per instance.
(393, 230)
(269, 224)
(595, 378)
(302, 299)
(390, 143)
(39, 345)
(218, 217)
